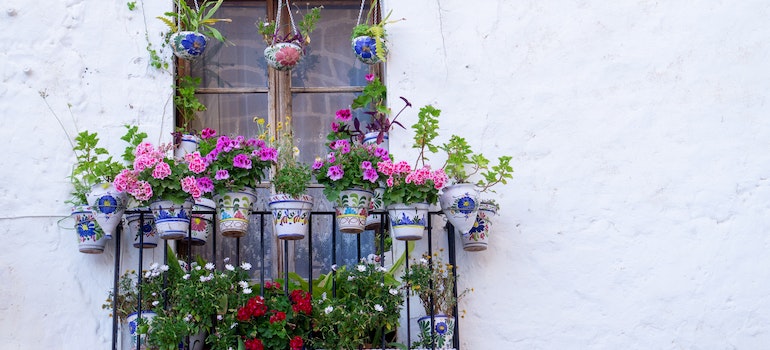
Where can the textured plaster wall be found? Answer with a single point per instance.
(637, 218)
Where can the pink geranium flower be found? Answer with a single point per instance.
(335, 173)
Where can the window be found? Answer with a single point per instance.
(237, 86)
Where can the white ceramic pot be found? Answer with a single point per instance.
(408, 221)
(108, 206)
(91, 239)
(283, 56)
(460, 205)
(188, 45)
(291, 215)
(136, 224)
(477, 238)
(352, 209)
(233, 210)
(172, 220)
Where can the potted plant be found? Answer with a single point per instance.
(168, 184)
(349, 175)
(290, 204)
(373, 97)
(283, 52)
(460, 199)
(133, 303)
(274, 320)
(190, 27)
(478, 237)
(235, 166)
(410, 191)
(364, 310)
(368, 39)
(197, 299)
(433, 282)
(187, 105)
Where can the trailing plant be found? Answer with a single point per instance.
(302, 37)
(291, 177)
(433, 281)
(186, 102)
(199, 19)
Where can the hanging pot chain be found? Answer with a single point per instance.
(278, 19)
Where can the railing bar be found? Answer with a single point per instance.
(430, 285)
(451, 246)
(262, 258)
(140, 275)
(115, 291)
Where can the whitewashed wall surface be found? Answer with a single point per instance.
(639, 213)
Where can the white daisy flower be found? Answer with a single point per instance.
(246, 266)
(361, 268)
(246, 290)
(154, 266)
(209, 266)
(186, 276)
(230, 267)
(328, 310)
(334, 267)
(393, 291)
(164, 268)
(378, 307)
(219, 317)
(243, 284)
(155, 303)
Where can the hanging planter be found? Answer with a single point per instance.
(291, 215)
(172, 220)
(188, 45)
(136, 224)
(408, 221)
(352, 209)
(108, 206)
(478, 237)
(368, 38)
(460, 205)
(91, 239)
(202, 225)
(233, 209)
(283, 52)
(187, 143)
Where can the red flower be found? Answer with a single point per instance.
(296, 343)
(254, 344)
(278, 316)
(256, 306)
(243, 314)
(301, 302)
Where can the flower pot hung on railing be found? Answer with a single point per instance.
(91, 239)
(191, 26)
(477, 238)
(138, 223)
(284, 51)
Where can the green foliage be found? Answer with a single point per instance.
(366, 305)
(155, 60)
(93, 165)
(350, 164)
(306, 26)
(200, 20)
(462, 163)
(185, 100)
(291, 177)
(131, 5)
(433, 282)
(133, 137)
(374, 30)
(426, 130)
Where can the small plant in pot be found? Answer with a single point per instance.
(373, 97)
(460, 200)
(135, 302)
(368, 39)
(433, 282)
(285, 51)
(187, 105)
(190, 27)
(290, 204)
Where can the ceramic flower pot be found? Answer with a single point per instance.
(108, 206)
(130, 330)
(172, 220)
(188, 45)
(283, 56)
(233, 210)
(365, 48)
(478, 237)
(371, 138)
(408, 221)
(193, 342)
(136, 224)
(202, 225)
(291, 215)
(374, 221)
(460, 205)
(352, 209)
(442, 334)
(91, 239)
(188, 144)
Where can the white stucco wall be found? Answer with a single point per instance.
(637, 218)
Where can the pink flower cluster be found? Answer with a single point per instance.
(402, 172)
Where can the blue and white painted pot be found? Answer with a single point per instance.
(188, 45)
(352, 209)
(365, 49)
(233, 210)
(108, 206)
(188, 144)
(477, 238)
(408, 221)
(91, 238)
(136, 224)
(441, 335)
(291, 215)
(172, 220)
(460, 205)
(373, 221)
(132, 328)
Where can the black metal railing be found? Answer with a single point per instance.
(143, 214)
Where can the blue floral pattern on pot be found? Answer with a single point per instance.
(365, 49)
(460, 205)
(91, 238)
(188, 45)
(107, 205)
(477, 238)
(408, 221)
(442, 335)
(291, 215)
(137, 225)
(172, 220)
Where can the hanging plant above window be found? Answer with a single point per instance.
(285, 51)
(368, 38)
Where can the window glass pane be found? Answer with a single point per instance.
(313, 114)
(329, 60)
(240, 64)
(232, 114)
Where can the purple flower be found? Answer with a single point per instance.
(335, 173)
(251, 142)
(242, 161)
(366, 165)
(268, 153)
(369, 77)
(205, 184)
(380, 152)
(335, 127)
(318, 164)
(260, 143)
(343, 114)
(370, 175)
(221, 175)
(331, 158)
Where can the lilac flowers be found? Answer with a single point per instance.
(349, 165)
(235, 163)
